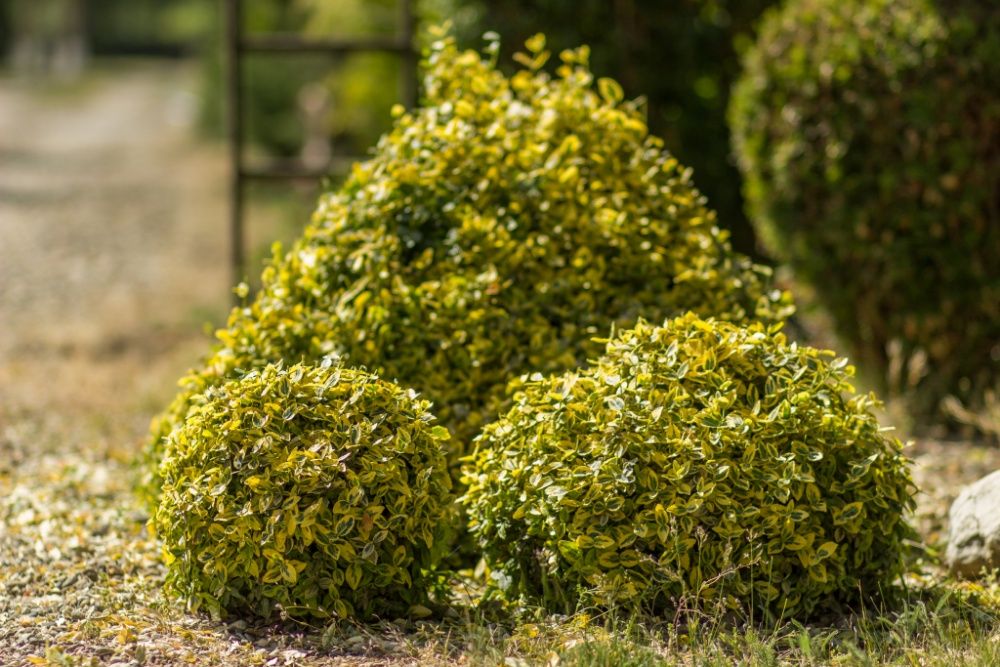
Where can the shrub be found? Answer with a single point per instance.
(497, 229)
(867, 131)
(318, 490)
(680, 56)
(697, 459)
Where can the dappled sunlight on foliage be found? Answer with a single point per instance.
(497, 230)
(315, 491)
(698, 459)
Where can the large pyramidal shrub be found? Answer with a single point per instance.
(696, 460)
(497, 228)
(868, 133)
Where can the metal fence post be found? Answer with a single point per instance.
(234, 123)
(237, 46)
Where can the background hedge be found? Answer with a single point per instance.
(868, 132)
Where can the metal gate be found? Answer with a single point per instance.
(238, 45)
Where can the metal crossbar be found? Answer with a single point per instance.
(238, 45)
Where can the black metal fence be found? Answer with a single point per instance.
(238, 45)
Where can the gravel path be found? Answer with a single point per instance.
(107, 209)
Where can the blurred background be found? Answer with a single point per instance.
(115, 192)
(681, 56)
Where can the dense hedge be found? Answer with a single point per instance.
(868, 134)
(697, 459)
(315, 490)
(497, 229)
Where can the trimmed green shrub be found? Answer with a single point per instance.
(698, 459)
(497, 229)
(681, 56)
(867, 131)
(313, 490)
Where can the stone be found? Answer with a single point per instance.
(974, 530)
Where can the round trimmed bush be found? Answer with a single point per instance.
(497, 229)
(316, 490)
(698, 459)
(867, 133)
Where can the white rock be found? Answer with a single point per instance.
(974, 531)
